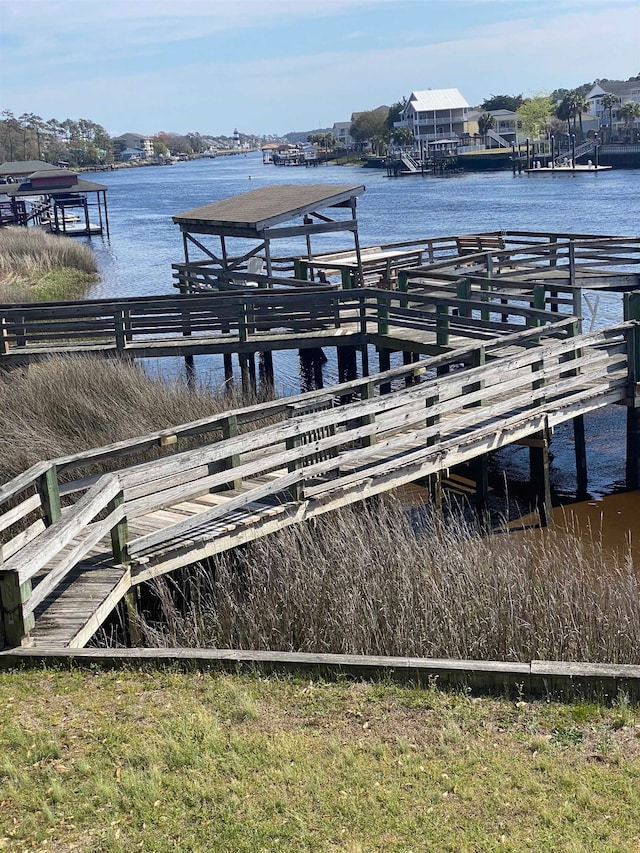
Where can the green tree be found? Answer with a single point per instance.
(629, 112)
(609, 100)
(9, 135)
(395, 113)
(564, 111)
(485, 123)
(502, 102)
(160, 148)
(402, 136)
(370, 126)
(535, 114)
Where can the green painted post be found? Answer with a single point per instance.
(49, 495)
(442, 325)
(383, 315)
(13, 596)
(463, 291)
(347, 277)
(301, 269)
(539, 297)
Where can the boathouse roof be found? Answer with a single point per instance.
(79, 186)
(24, 167)
(262, 208)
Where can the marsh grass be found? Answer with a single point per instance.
(164, 761)
(68, 404)
(376, 580)
(36, 266)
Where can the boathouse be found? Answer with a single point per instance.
(260, 216)
(54, 198)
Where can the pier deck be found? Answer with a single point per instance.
(506, 363)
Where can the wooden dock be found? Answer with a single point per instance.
(503, 361)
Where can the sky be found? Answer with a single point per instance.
(274, 66)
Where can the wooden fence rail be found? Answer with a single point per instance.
(323, 453)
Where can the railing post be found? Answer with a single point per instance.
(463, 291)
(432, 420)
(118, 322)
(442, 325)
(16, 623)
(4, 337)
(230, 430)
(49, 492)
(403, 287)
(632, 312)
(572, 263)
(383, 315)
(348, 278)
(301, 269)
(296, 491)
(362, 313)
(119, 533)
(242, 322)
(368, 393)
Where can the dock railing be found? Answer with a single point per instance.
(323, 452)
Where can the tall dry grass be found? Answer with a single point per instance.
(372, 580)
(68, 404)
(28, 255)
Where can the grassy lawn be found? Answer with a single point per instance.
(164, 761)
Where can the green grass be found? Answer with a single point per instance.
(162, 761)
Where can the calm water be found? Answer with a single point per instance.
(144, 242)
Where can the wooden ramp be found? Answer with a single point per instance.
(507, 369)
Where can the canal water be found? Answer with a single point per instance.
(136, 260)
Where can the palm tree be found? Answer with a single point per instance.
(485, 122)
(581, 105)
(563, 112)
(608, 101)
(628, 113)
(572, 106)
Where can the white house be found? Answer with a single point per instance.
(623, 91)
(341, 134)
(435, 114)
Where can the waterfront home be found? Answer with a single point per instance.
(608, 116)
(341, 131)
(136, 142)
(435, 114)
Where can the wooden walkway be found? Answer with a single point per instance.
(508, 367)
(69, 569)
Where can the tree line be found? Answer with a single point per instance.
(78, 142)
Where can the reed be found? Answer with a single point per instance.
(32, 261)
(376, 580)
(68, 404)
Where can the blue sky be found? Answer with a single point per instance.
(271, 66)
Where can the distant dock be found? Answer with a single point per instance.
(567, 170)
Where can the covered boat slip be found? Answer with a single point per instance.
(59, 200)
(261, 216)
